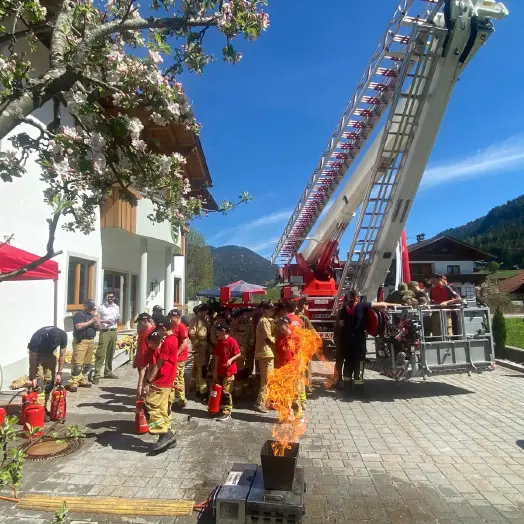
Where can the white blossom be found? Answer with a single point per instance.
(135, 128)
(156, 57)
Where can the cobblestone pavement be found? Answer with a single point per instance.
(447, 450)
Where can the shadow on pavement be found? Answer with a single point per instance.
(384, 390)
(119, 435)
(520, 443)
(118, 390)
(107, 406)
(119, 400)
(236, 415)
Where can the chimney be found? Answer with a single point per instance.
(421, 237)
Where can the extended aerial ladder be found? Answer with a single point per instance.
(412, 73)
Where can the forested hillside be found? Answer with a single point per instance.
(500, 232)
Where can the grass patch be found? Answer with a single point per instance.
(515, 332)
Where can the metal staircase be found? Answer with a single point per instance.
(413, 82)
(362, 114)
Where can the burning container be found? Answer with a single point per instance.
(279, 471)
(271, 493)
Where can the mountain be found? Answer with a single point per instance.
(232, 263)
(500, 232)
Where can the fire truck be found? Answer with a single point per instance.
(383, 140)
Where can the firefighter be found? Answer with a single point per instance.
(198, 336)
(145, 325)
(158, 387)
(192, 381)
(249, 344)
(221, 317)
(352, 322)
(291, 310)
(225, 355)
(284, 348)
(337, 339)
(238, 332)
(265, 353)
(180, 331)
(302, 309)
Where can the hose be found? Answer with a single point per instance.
(10, 499)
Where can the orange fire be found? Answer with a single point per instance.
(286, 388)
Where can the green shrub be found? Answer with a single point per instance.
(499, 333)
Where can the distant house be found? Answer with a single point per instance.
(514, 286)
(448, 256)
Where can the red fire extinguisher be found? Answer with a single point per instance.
(141, 425)
(3, 414)
(215, 395)
(31, 397)
(34, 418)
(58, 404)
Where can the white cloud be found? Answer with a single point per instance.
(273, 218)
(264, 245)
(499, 157)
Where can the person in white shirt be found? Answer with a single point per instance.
(109, 314)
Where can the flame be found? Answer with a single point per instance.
(286, 384)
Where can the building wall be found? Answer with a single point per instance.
(23, 214)
(27, 306)
(466, 266)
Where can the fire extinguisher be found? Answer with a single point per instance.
(215, 395)
(31, 397)
(34, 417)
(3, 414)
(58, 404)
(141, 425)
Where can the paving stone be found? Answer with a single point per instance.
(433, 451)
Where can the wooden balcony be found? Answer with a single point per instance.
(118, 213)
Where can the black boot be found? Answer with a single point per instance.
(164, 442)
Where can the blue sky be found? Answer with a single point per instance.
(267, 119)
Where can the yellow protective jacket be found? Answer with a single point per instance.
(198, 336)
(265, 338)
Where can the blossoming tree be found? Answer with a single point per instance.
(100, 56)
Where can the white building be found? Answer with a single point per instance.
(451, 257)
(447, 256)
(141, 262)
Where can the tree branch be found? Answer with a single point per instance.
(53, 223)
(11, 47)
(63, 24)
(4, 277)
(36, 95)
(7, 240)
(137, 24)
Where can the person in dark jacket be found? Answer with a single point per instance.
(353, 324)
(43, 372)
(86, 324)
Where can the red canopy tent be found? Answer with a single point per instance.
(12, 258)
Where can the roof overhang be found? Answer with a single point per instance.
(173, 138)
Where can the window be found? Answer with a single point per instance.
(453, 270)
(80, 282)
(422, 269)
(177, 290)
(470, 292)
